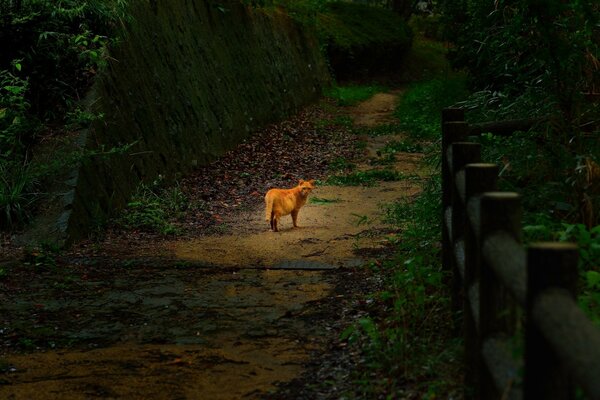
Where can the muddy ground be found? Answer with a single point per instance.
(241, 312)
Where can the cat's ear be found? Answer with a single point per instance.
(301, 182)
(312, 181)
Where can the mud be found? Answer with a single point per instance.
(225, 316)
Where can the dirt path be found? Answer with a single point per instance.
(222, 316)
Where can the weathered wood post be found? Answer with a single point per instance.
(452, 131)
(549, 265)
(479, 178)
(499, 211)
(459, 154)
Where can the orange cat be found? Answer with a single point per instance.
(282, 202)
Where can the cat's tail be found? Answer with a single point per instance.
(269, 207)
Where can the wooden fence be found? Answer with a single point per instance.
(499, 286)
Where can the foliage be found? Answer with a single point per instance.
(341, 164)
(50, 51)
(14, 121)
(412, 339)
(352, 94)
(42, 257)
(17, 194)
(418, 110)
(154, 208)
(404, 146)
(429, 25)
(322, 200)
(58, 47)
(365, 178)
(359, 39)
(546, 52)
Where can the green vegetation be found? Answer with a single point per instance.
(321, 200)
(419, 108)
(533, 61)
(155, 208)
(352, 94)
(405, 146)
(357, 39)
(362, 39)
(341, 164)
(50, 53)
(42, 257)
(555, 168)
(365, 178)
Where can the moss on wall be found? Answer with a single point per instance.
(189, 80)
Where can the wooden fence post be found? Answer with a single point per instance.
(451, 132)
(459, 154)
(548, 265)
(499, 211)
(479, 178)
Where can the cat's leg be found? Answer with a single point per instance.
(295, 218)
(275, 218)
(272, 220)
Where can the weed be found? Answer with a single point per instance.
(43, 257)
(352, 94)
(419, 108)
(341, 164)
(17, 194)
(360, 144)
(405, 146)
(365, 178)
(360, 220)
(385, 159)
(321, 200)
(154, 208)
(379, 130)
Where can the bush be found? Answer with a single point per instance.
(361, 40)
(154, 208)
(50, 52)
(418, 110)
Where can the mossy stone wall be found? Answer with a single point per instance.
(189, 80)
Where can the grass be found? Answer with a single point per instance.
(365, 178)
(408, 345)
(341, 164)
(352, 94)
(154, 208)
(379, 130)
(403, 146)
(419, 109)
(322, 201)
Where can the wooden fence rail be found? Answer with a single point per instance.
(498, 286)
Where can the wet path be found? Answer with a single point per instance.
(225, 316)
(189, 334)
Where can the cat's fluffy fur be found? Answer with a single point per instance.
(280, 202)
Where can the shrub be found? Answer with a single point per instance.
(360, 39)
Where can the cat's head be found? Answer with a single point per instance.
(306, 186)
